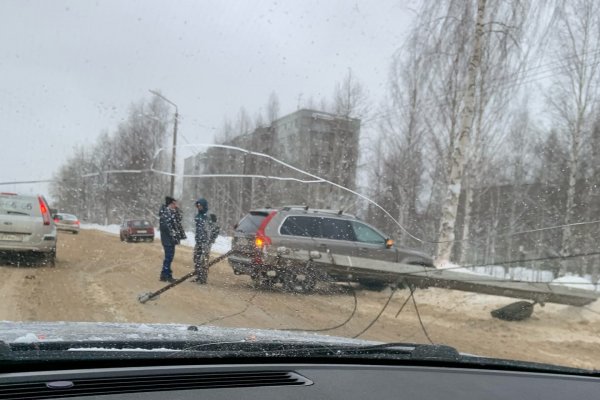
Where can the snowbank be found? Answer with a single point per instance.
(575, 282)
(113, 229)
(222, 244)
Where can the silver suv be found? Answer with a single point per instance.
(27, 227)
(308, 229)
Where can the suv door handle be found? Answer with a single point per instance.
(323, 247)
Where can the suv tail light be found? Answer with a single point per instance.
(261, 239)
(77, 222)
(44, 210)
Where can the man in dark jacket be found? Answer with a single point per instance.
(202, 242)
(171, 233)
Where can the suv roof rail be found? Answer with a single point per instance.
(336, 212)
(287, 208)
(318, 210)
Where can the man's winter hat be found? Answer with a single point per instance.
(203, 203)
(169, 200)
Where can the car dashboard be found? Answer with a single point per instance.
(294, 381)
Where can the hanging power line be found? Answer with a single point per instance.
(412, 290)
(246, 307)
(341, 324)
(419, 317)
(377, 316)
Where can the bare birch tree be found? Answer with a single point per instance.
(460, 148)
(575, 92)
(491, 33)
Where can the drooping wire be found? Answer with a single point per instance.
(419, 317)
(412, 290)
(247, 306)
(249, 303)
(544, 228)
(348, 319)
(377, 316)
(412, 296)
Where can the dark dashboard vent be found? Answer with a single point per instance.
(149, 383)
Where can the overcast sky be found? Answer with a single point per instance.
(70, 69)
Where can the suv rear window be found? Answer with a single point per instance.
(66, 217)
(139, 224)
(301, 226)
(251, 222)
(318, 227)
(17, 205)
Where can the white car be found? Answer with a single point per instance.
(27, 227)
(66, 222)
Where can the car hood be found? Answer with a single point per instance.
(32, 332)
(71, 340)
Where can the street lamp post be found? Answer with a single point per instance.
(174, 153)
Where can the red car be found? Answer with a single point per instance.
(137, 230)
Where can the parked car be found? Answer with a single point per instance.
(66, 222)
(137, 230)
(26, 227)
(310, 229)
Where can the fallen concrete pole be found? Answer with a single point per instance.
(350, 267)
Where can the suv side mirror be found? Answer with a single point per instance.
(389, 243)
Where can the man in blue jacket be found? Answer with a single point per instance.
(171, 233)
(202, 242)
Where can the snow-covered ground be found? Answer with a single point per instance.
(222, 244)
